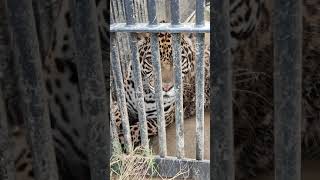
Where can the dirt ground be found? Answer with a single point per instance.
(189, 138)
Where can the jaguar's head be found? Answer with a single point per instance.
(166, 60)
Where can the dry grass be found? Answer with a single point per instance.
(136, 165)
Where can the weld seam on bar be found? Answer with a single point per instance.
(287, 88)
(7, 168)
(221, 95)
(152, 16)
(199, 82)
(162, 27)
(121, 95)
(200, 96)
(36, 115)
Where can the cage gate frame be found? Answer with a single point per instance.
(168, 166)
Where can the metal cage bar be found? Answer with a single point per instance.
(121, 95)
(43, 17)
(7, 167)
(221, 94)
(199, 81)
(92, 86)
(137, 75)
(114, 132)
(28, 63)
(162, 27)
(287, 88)
(178, 86)
(152, 16)
(199, 169)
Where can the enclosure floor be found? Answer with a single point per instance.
(310, 169)
(189, 138)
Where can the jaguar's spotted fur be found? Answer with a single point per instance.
(188, 73)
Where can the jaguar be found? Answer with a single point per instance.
(251, 37)
(188, 64)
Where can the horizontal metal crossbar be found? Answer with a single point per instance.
(188, 168)
(161, 27)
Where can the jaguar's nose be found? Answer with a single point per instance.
(167, 87)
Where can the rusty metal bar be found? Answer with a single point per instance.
(287, 88)
(92, 86)
(152, 16)
(222, 166)
(28, 63)
(137, 76)
(199, 48)
(178, 86)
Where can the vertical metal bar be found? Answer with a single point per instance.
(114, 131)
(221, 91)
(152, 12)
(28, 62)
(178, 86)
(121, 96)
(199, 82)
(152, 16)
(44, 19)
(200, 4)
(128, 4)
(143, 10)
(92, 86)
(7, 168)
(137, 77)
(287, 88)
(175, 12)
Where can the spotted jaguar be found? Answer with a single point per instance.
(188, 63)
(251, 37)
